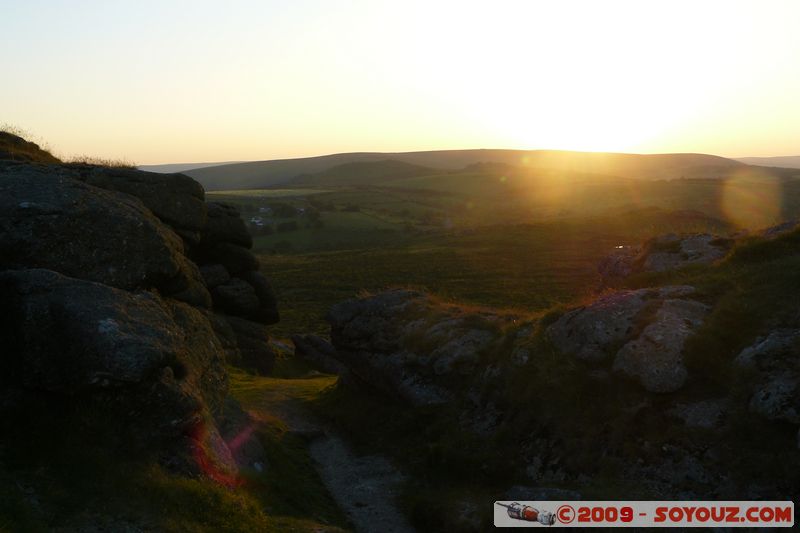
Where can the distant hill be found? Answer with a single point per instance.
(181, 167)
(363, 173)
(259, 174)
(787, 161)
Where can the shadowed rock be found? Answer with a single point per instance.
(225, 225)
(234, 258)
(214, 275)
(662, 253)
(66, 334)
(775, 359)
(646, 329)
(267, 312)
(176, 199)
(252, 341)
(319, 352)
(655, 358)
(58, 223)
(236, 297)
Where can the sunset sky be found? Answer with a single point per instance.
(171, 81)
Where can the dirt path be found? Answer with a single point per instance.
(364, 487)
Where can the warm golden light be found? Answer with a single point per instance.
(262, 80)
(751, 200)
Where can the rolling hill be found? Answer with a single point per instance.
(181, 167)
(260, 174)
(787, 161)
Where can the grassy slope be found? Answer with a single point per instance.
(755, 289)
(532, 267)
(51, 476)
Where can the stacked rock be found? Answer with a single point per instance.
(104, 304)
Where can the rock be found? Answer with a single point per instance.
(780, 229)
(406, 345)
(253, 343)
(224, 225)
(195, 292)
(778, 398)
(236, 297)
(371, 323)
(202, 359)
(589, 333)
(462, 352)
(646, 328)
(703, 414)
(268, 310)
(775, 362)
(176, 199)
(235, 259)
(62, 224)
(319, 352)
(771, 351)
(662, 253)
(64, 334)
(154, 365)
(656, 357)
(214, 275)
(669, 252)
(225, 335)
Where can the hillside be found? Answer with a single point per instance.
(787, 161)
(362, 173)
(181, 167)
(259, 174)
(15, 148)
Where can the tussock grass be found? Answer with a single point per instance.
(100, 162)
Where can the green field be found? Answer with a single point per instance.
(526, 241)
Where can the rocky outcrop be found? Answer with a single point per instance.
(408, 345)
(775, 361)
(59, 223)
(105, 307)
(176, 199)
(643, 330)
(655, 358)
(662, 253)
(319, 352)
(252, 341)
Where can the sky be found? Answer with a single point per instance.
(188, 81)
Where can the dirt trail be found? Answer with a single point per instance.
(364, 487)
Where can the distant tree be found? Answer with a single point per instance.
(284, 210)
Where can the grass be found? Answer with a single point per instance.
(531, 266)
(56, 472)
(100, 162)
(13, 143)
(290, 486)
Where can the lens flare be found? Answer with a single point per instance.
(752, 200)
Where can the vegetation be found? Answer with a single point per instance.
(52, 476)
(100, 162)
(486, 238)
(14, 146)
